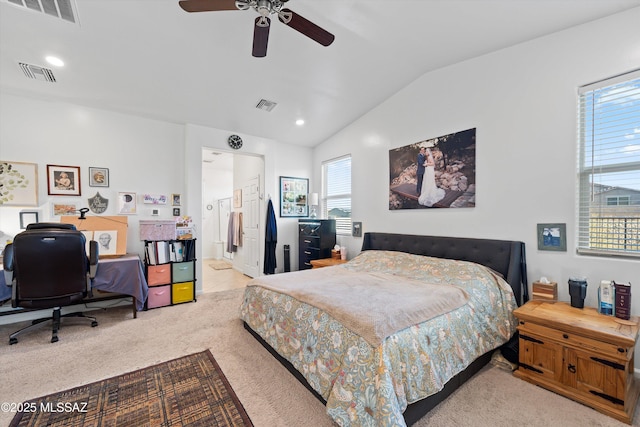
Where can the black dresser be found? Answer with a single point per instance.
(316, 239)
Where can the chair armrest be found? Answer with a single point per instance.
(7, 261)
(93, 258)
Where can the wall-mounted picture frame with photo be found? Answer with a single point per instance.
(19, 183)
(552, 237)
(98, 177)
(63, 180)
(294, 200)
(176, 200)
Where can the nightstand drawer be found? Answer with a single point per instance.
(576, 340)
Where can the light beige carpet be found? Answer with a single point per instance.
(271, 396)
(220, 264)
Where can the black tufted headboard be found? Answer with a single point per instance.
(503, 256)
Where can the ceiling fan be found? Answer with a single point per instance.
(263, 22)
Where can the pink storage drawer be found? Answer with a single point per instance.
(159, 274)
(159, 296)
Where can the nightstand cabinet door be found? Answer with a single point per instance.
(596, 375)
(540, 357)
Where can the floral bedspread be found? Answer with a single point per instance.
(372, 386)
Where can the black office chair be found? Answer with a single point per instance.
(47, 267)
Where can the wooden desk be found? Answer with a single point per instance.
(326, 262)
(116, 278)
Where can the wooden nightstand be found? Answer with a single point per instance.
(580, 354)
(326, 262)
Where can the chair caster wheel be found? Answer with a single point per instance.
(54, 339)
(94, 324)
(13, 341)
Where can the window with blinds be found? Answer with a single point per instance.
(336, 193)
(609, 167)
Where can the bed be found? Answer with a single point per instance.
(366, 371)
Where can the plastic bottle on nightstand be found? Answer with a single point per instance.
(606, 298)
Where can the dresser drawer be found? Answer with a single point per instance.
(159, 296)
(309, 242)
(182, 292)
(183, 271)
(159, 274)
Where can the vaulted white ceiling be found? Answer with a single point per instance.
(150, 58)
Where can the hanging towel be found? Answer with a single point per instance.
(270, 241)
(230, 246)
(237, 231)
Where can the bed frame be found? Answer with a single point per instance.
(505, 257)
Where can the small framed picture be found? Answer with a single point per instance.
(64, 207)
(98, 177)
(63, 180)
(175, 200)
(127, 203)
(27, 218)
(552, 237)
(176, 211)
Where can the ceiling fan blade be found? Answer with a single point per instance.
(306, 27)
(261, 36)
(207, 5)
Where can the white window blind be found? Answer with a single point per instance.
(609, 167)
(336, 193)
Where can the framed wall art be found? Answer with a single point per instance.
(27, 218)
(552, 237)
(63, 180)
(155, 199)
(18, 184)
(434, 173)
(98, 177)
(127, 203)
(294, 197)
(66, 207)
(237, 198)
(175, 200)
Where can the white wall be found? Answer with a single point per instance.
(522, 101)
(142, 155)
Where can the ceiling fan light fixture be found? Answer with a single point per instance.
(264, 7)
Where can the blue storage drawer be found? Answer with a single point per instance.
(183, 271)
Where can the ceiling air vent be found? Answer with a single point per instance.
(266, 105)
(38, 73)
(63, 9)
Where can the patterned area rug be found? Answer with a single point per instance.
(220, 264)
(191, 390)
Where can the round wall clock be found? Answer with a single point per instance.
(235, 142)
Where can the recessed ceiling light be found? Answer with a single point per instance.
(299, 122)
(55, 61)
